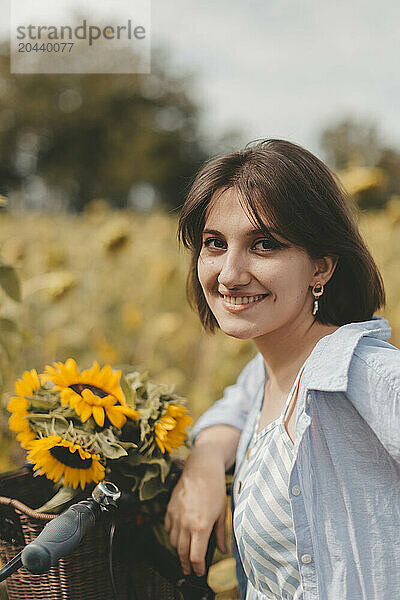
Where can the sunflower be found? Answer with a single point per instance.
(58, 458)
(170, 429)
(93, 392)
(27, 386)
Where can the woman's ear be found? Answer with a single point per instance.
(324, 268)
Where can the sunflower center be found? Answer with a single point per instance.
(79, 387)
(70, 459)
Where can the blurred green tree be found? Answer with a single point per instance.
(368, 168)
(10, 335)
(130, 139)
(350, 142)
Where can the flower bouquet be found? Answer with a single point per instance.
(79, 427)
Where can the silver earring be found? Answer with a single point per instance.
(318, 290)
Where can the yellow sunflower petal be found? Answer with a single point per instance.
(160, 445)
(72, 367)
(88, 396)
(98, 414)
(54, 375)
(129, 412)
(83, 453)
(116, 416)
(160, 432)
(18, 422)
(106, 374)
(18, 404)
(170, 431)
(42, 378)
(167, 422)
(25, 438)
(27, 384)
(176, 411)
(109, 381)
(84, 411)
(91, 375)
(109, 401)
(69, 396)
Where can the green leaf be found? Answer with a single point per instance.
(153, 480)
(151, 472)
(165, 468)
(9, 281)
(128, 445)
(43, 402)
(57, 502)
(88, 426)
(47, 417)
(109, 445)
(133, 460)
(149, 489)
(129, 393)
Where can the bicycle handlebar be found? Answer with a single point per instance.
(60, 536)
(63, 534)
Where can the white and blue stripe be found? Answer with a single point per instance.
(263, 524)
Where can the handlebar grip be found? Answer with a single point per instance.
(60, 536)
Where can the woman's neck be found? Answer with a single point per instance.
(284, 354)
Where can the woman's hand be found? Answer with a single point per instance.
(198, 501)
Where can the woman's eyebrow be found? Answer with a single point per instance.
(250, 233)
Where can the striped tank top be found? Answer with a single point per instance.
(262, 521)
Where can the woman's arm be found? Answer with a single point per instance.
(234, 406)
(199, 498)
(198, 501)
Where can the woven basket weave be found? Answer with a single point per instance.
(82, 575)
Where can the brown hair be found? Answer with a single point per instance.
(302, 200)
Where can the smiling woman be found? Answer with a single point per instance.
(293, 201)
(264, 279)
(277, 258)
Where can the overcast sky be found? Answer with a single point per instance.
(284, 68)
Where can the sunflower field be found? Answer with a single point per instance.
(110, 286)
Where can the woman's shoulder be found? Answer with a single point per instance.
(356, 355)
(376, 361)
(374, 390)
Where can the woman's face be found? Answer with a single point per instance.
(253, 284)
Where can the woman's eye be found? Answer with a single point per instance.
(263, 245)
(213, 243)
(266, 244)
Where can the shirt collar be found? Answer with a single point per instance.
(328, 365)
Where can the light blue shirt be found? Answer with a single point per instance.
(344, 486)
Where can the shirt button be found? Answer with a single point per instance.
(306, 558)
(296, 490)
(308, 399)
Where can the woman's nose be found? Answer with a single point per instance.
(233, 271)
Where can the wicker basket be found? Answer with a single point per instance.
(85, 573)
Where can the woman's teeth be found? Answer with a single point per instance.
(244, 299)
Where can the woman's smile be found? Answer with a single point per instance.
(236, 304)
